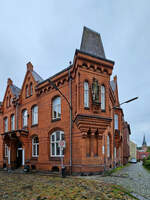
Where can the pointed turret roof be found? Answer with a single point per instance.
(144, 141)
(91, 43)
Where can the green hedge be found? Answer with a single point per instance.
(146, 162)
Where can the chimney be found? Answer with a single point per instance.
(9, 81)
(115, 78)
(29, 66)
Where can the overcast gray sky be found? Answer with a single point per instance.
(47, 32)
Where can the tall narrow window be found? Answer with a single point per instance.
(56, 108)
(116, 121)
(56, 137)
(12, 122)
(6, 150)
(6, 124)
(31, 89)
(114, 152)
(35, 147)
(108, 146)
(34, 115)
(86, 94)
(24, 118)
(27, 91)
(103, 97)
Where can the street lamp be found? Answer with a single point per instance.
(70, 109)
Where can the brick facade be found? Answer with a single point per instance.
(92, 132)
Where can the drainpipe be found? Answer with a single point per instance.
(70, 97)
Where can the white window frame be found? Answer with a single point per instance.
(108, 146)
(35, 146)
(35, 115)
(54, 144)
(103, 97)
(12, 118)
(6, 151)
(25, 118)
(86, 94)
(56, 108)
(116, 121)
(6, 124)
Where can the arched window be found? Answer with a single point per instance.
(12, 119)
(116, 121)
(55, 138)
(31, 89)
(108, 146)
(86, 94)
(6, 124)
(34, 115)
(102, 97)
(27, 91)
(56, 108)
(35, 146)
(24, 118)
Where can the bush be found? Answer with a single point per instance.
(146, 163)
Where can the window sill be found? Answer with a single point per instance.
(55, 120)
(86, 108)
(34, 125)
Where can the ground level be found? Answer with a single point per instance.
(44, 187)
(134, 177)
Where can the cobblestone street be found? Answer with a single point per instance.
(133, 177)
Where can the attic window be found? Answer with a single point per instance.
(31, 89)
(27, 91)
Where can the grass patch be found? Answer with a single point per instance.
(108, 173)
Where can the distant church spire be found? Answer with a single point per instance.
(144, 141)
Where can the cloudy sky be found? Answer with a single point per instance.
(47, 32)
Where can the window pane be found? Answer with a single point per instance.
(56, 106)
(62, 137)
(86, 94)
(53, 149)
(116, 121)
(53, 138)
(102, 97)
(57, 136)
(37, 149)
(57, 150)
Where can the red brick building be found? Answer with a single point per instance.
(36, 117)
(126, 145)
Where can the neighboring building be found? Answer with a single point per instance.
(126, 142)
(142, 151)
(132, 150)
(36, 117)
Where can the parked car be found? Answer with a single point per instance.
(133, 160)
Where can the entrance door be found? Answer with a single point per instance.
(19, 157)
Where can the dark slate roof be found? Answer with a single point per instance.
(37, 77)
(113, 85)
(67, 68)
(144, 141)
(15, 90)
(91, 43)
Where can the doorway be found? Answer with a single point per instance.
(19, 157)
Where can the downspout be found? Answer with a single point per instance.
(70, 97)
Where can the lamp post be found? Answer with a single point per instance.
(118, 106)
(70, 109)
